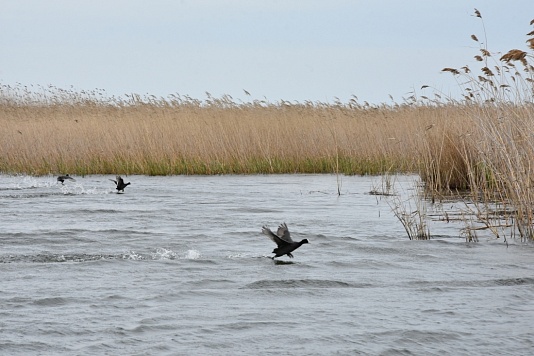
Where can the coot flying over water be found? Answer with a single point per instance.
(283, 239)
(62, 179)
(120, 184)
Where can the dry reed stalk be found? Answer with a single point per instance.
(410, 210)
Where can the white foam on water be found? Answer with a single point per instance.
(79, 189)
(164, 254)
(132, 255)
(192, 255)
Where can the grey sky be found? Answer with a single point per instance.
(292, 50)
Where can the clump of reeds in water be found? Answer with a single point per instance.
(491, 153)
(409, 209)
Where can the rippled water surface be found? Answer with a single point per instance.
(178, 265)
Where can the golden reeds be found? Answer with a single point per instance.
(514, 55)
(80, 133)
(492, 153)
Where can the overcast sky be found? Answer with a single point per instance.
(278, 49)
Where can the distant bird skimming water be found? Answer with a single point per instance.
(62, 179)
(120, 184)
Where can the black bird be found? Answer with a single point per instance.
(120, 184)
(62, 179)
(283, 239)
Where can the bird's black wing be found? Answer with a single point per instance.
(283, 233)
(276, 239)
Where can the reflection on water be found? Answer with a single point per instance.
(178, 265)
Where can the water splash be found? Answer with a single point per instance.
(19, 182)
(192, 255)
(132, 255)
(159, 254)
(164, 254)
(240, 255)
(79, 189)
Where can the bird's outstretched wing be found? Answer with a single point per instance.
(283, 233)
(276, 239)
(113, 180)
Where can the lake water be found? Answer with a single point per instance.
(178, 266)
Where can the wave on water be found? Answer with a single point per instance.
(162, 254)
(55, 258)
(437, 285)
(79, 189)
(100, 211)
(243, 255)
(43, 190)
(157, 255)
(26, 182)
(302, 283)
(58, 236)
(51, 302)
(32, 195)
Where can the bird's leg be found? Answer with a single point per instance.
(272, 258)
(290, 255)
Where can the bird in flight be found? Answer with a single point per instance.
(283, 240)
(120, 184)
(62, 179)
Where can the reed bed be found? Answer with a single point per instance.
(50, 131)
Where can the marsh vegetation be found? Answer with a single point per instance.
(53, 130)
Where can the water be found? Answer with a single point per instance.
(178, 265)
